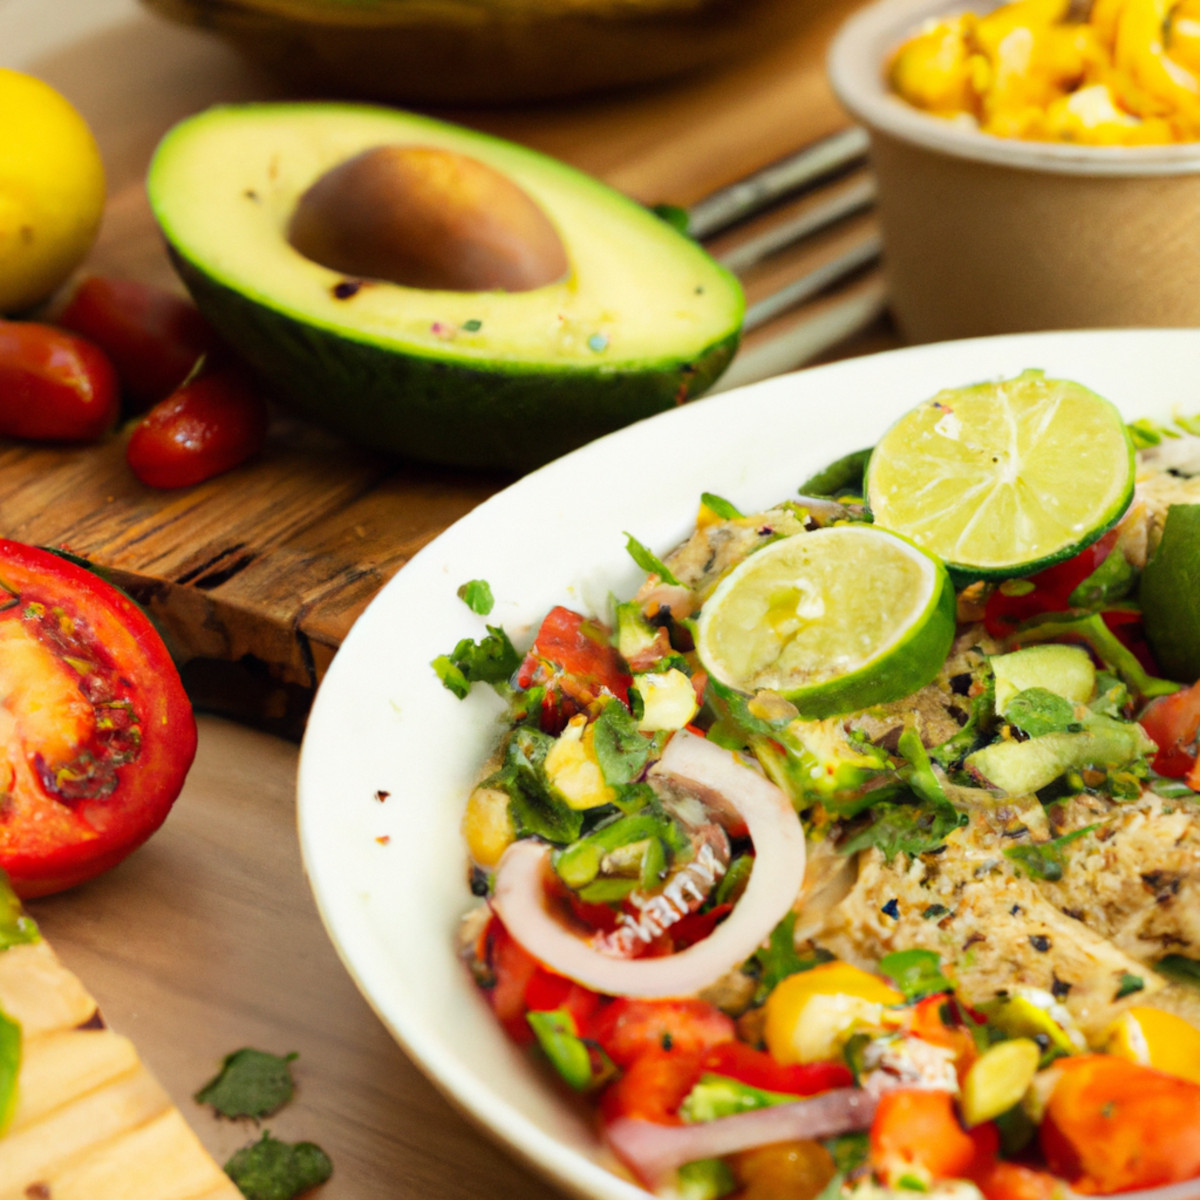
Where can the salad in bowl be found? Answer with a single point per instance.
(853, 850)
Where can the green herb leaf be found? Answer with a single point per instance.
(720, 506)
(1038, 710)
(779, 958)
(910, 829)
(273, 1170)
(649, 561)
(1044, 860)
(1129, 984)
(251, 1083)
(492, 659)
(476, 594)
(1180, 969)
(917, 973)
(849, 1150)
(622, 750)
(533, 807)
(918, 774)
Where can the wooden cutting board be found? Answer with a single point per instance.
(257, 576)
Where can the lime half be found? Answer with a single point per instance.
(835, 620)
(1002, 479)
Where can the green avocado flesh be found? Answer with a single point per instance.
(643, 320)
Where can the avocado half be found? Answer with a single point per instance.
(642, 320)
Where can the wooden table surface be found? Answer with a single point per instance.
(207, 939)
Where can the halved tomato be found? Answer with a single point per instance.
(96, 731)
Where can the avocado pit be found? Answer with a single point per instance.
(426, 217)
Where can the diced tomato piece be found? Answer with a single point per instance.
(522, 985)
(758, 1069)
(1002, 1180)
(1050, 591)
(1172, 723)
(626, 1028)
(652, 1087)
(1112, 1125)
(574, 660)
(919, 1129)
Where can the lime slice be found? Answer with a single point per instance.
(1002, 479)
(835, 620)
(1169, 594)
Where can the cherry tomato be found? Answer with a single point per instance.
(652, 1087)
(522, 985)
(756, 1068)
(153, 337)
(919, 1129)
(54, 386)
(627, 1028)
(1112, 1125)
(1001, 1180)
(96, 733)
(1172, 722)
(573, 659)
(211, 424)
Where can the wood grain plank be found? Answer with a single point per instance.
(264, 570)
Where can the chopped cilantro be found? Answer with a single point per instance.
(533, 807)
(273, 1170)
(490, 660)
(1044, 860)
(911, 829)
(251, 1083)
(476, 594)
(719, 506)
(621, 749)
(648, 560)
(779, 959)
(917, 973)
(1038, 710)
(849, 1151)
(1129, 984)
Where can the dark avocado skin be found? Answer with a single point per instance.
(514, 419)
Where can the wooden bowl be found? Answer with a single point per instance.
(988, 235)
(487, 51)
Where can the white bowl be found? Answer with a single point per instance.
(390, 754)
(994, 235)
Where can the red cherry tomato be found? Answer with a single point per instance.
(627, 1029)
(153, 337)
(919, 1128)
(756, 1068)
(1172, 723)
(96, 732)
(54, 386)
(1112, 1125)
(211, 424)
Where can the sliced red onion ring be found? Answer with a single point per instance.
(519, 896)
(654, 1152)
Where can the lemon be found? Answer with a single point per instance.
(835, 620)
(1157, 1039)
(51, 190)
(1002, 479)
(1169, 594)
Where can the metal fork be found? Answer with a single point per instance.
(801, 236)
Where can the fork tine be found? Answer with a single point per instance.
(750, 195)
(859, 196)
